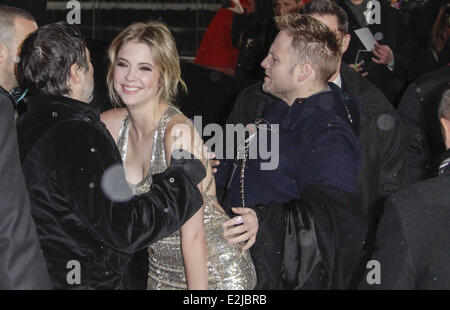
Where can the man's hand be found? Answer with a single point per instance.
(383, 54)
(245, 226)
(214, 162)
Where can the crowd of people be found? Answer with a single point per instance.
(357, 179)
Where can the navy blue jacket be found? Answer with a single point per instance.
(317, 146)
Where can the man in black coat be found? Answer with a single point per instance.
(423, 135)
(22, 265)
(88, 223)
(387, 64)
(414, 236)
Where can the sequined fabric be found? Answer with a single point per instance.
(228, 269)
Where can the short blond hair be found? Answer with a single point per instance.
(314, 43)
(158, 38)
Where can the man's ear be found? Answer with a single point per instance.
(445, 123)
(345, 43)
(302, 71)
(75, 74)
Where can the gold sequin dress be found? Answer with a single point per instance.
(227, 268)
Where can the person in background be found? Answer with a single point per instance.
(216, 50)
(282, 7)
(387, 64)
(437, 55)
(22, 264)
(422, 134)
(414, 235)
(252, 33)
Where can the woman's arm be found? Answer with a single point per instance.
(193, 246)
(193, 237)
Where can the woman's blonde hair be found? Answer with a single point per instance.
(158, 38)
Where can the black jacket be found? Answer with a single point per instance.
(419, 112)
(22, 265)
(384, 156)
(316, 242)
(65, 151)
(414, 237)
(429, 60)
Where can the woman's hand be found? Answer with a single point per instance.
(242, 228)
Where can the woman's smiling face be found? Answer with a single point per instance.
(136, 77)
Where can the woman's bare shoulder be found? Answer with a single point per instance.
(180, 133)
(179, 123)
(113, 120)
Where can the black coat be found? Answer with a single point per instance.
(316, 242)
(22, 264)
(414, 237)
(384, 157)
(65, 151)
(429, 60)
(419, 111)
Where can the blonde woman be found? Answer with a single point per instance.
(143, 76)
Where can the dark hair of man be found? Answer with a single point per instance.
(47, 56)
(7, 16)
(327, 7)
